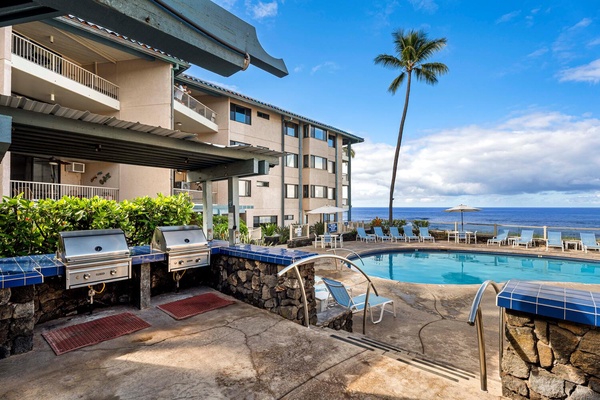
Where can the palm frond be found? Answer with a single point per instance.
(396, 83)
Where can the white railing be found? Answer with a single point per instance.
(41, 190)
(30, 51)
(196, 195)
(194, 104)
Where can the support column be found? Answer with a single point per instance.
(142, 281)
(5, 89)
(233, 203)
(207, 207)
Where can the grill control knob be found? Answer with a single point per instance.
(113, 272)
(180, 262)
(198, 260)
(86, 276)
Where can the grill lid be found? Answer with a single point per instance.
(92, 245)
(178, 238)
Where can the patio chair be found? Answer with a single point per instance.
(588, 241)
(500, 239)
(379, 234)
(525, 239)
(356, 304)
(425, 235)
(394, 234)
(555, 240)
(364, 236)
(327, 240)
(408, 233)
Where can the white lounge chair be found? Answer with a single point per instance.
(425, 235)
(364, 236)
(379, 234)
(555, 240)
(394, 234)
(408, 233)
(355, 304)
(525, 239)
(500, 239)
(588, 241)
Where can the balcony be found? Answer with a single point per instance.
(41, 190)
(345, 180)
(193, 116)
(44, 75)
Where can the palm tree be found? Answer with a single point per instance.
(412, 48)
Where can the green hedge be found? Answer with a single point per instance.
(28, 227)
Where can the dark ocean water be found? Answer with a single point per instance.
(484, 220)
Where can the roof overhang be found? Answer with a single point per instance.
(43, 129)
(195, 30)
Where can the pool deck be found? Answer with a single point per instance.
(242, 352)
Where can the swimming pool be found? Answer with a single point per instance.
(464, 268)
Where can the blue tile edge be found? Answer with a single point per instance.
(46, 265)
(566, 304)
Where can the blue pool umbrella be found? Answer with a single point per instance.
(462, 209)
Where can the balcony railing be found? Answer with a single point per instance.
(30, 51)
(41, 190)
(194, 104)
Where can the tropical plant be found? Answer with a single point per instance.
(412, 49)
(269, 229)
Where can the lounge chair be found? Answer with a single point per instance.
(424, 234)
(588, 241)
(555, 240)
(379, 234)
(525, 239)
(355, 304)
(394, 234)
(500, 239)
(408, 233)
(364, 236)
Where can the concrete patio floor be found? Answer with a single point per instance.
(242, 352)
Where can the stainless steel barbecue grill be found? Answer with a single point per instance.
(94, 256)
(185, 245)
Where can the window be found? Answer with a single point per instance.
(236, 143)
(331, 193)
(263, 115)
(315, 132)
(291, 191)
(291, 129)
(265, 219)
(244, 188)
(262, 184)
(331, 167)
(315, 162)
(289, 217)
(291, 160)
(331, 140)
(240, 114)
(305, 192)
(318, 192)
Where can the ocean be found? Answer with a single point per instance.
(484, 220)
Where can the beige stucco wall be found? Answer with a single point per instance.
(145, 90)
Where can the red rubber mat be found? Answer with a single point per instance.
(186, 308)
(74, 337)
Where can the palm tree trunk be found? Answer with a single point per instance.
(397, 154)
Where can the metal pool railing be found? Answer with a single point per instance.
(294, 266)
(475, 318)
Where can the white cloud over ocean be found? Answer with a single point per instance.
(543, 155)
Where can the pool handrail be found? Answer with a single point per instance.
(475, 318)
(349, 251)
(349, 263)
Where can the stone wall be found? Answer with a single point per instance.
(550, 359)
(257, 283)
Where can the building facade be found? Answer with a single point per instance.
(83, 68)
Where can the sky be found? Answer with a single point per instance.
(514, 123)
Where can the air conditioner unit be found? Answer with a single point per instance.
(76, 167)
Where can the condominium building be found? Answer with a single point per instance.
(96, 113)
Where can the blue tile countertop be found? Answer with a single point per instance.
(551, 301)
(31, 270)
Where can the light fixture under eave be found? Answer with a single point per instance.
(178, 123)
(51, 96)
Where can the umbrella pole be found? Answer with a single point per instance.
(462, 222)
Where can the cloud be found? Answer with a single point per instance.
(567, 44)
(508, 17)
(585, 73)
(538, 53)
(262, 10)
(429, 6)
(594, 42)
(527, 157)
(382, 12)
(299, 68)
(328, 66)
(226, 4)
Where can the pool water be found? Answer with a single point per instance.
(464, 268)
